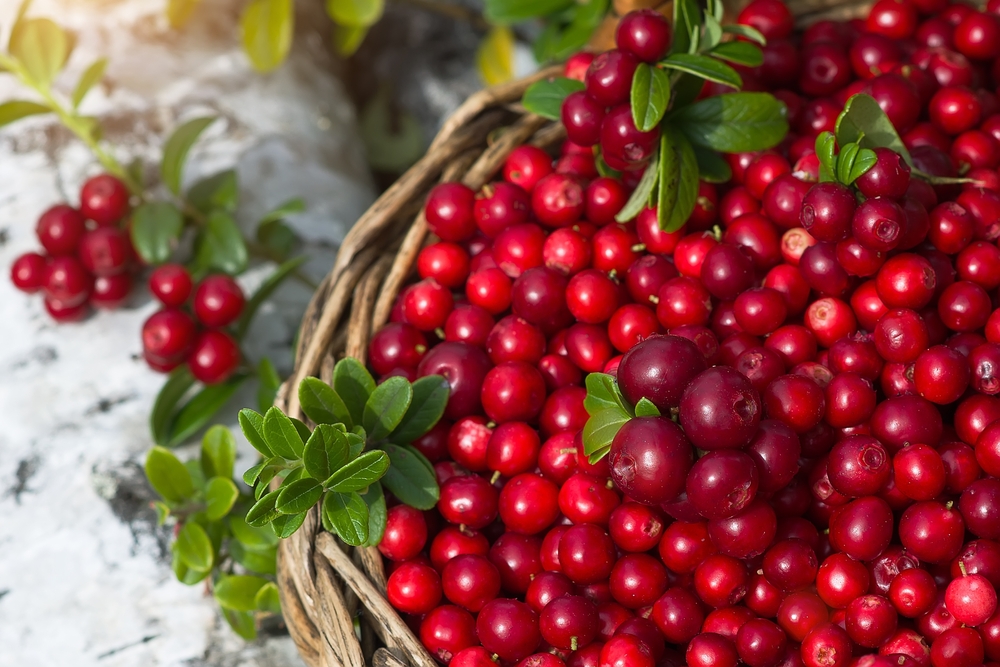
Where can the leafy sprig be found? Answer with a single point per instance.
(212, 541)
(692, 133)
(360, 443)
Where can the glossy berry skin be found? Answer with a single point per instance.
(218, 301)
(722, 483)
(105, 251)
(468, 501)
(569, 622)
(465, 367)
(167, 335)
(858, 466)
(932, 531)
(529, 503)
(840, 579)
(586, 554)
(626, 651)
(582, 116)
(659, 369)
(862, 529)
(649, 459)
(635, 527)
(889, 177)
(771, 17)
(971, 599)
(405, 533)
(637, 580)
(645, 34)
(470, 581)
(449, 212)
(60, 229)
(826, 645)
(508, 628)
(720, 409)
(449, 631)
(171, 284)
(214, 357)
(104, 199)
(27, 273)
(414, 588)
(827, 211)
(609, 78)
(878, 223)
(526, 165)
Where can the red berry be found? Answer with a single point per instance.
(214, 357)
(104, 199)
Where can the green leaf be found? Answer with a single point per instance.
(355, 13)
(386, 406)
(284, 209)
(645, 408)
(263, 511)
(251, 475)
(687, 21)
(300, 426)
(863, 122)
(355, 442)
(17, 109)
(42, 47)
(194, 547)
(197, 475)
(601, 429)
(515, 11)
(495, 56)
(285, 525)
(348, 514)
(864, 161)
(281, 435)
(322, 404)
(254, 539)
(826, 147)
(347, 39)
(274, 466)
(172, 391)
(162, 512)
(845, 162)
(156, 229)
(242, 623)
(678, 180)
(219, 245)
(267, 27)
(298, 496)
(650, 96)
(265, 290)
(409, 479)
(545, 98)
(218, 452)
(741, 53)
(267, 598)
(179, 12)
(587, 16)
(359, 473)
(219, 190)
(168, 476)
(704, 67)
(326, 452)
(200, 409)
(238, 591)
(88, 79)
(277, 238)
(22, 11)
(220, 495)
(640, 196)
(713, 32)
(733, 123)
(354, 384)
(712, 167)
(268, 383)
(252, 425)
(603, 394)
(716, 9)
(175, 151)
(430, 398)
(260, 562)
(184, 574)
(745, 31)
(375, 499)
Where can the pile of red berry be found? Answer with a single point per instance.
(87, 257)
(173, 336)
(823, 486)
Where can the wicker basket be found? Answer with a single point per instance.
(324, 584)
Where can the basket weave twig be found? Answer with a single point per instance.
(324, 585)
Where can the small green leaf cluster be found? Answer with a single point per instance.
(212, 540)
(692, 134)
(360, 443)
(608, 410)
(267, 26)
